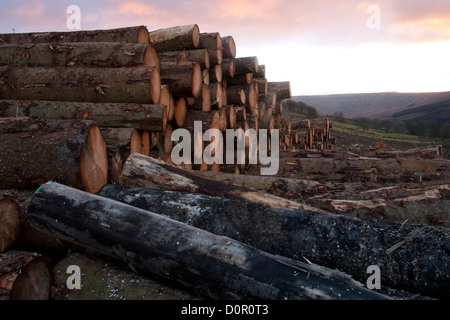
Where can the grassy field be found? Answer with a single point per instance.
(380, 135)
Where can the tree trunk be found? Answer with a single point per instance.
(10, 224)
(345, 243)
(180, 111)
(200, 56)
(183, 78)
(141, 116)
(79, 54)
(246, 65)
(261, 72)
(215, 74)
(120, 143)
(147, 172)
(210, 40)
(24, 276)
(177, 38)
(203, 102)
(216, 92)
(236, 95)
(228, 69)
(135, 34)
(217, 266)
(84, 84)
(283, 89)
(229, 47)
(34, 151)
(215, 56)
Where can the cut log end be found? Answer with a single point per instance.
(180, 111)
(195, 36)
(9, 223)
(94, 161)
(197, 79)
(142, 36)
(24, 276)
(151, 57)
(155, 85)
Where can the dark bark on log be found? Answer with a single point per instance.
(33, 152)
(84, 84)
(246, 65)
(79, 54)
(403, 252)
(175, 38)
(24, 276)
(261, 71)
(229, 47)
(283, 89)
(183, 78)
(140, 116)
(203, 102)
(215, 74)
(137, 34)
(216, 266)
(210, 40)
(228, 69)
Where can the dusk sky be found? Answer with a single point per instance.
(320, 46)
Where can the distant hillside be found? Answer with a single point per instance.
(436, 112)
(381, 105)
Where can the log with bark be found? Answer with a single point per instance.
(196, 55)
(283, 89)
(411, 257)
(24, 276)
(35, 151)
(79, 54)
(83, 84)
(203, 101)
(214, 266)
(140, 116)
(229, 47)
(176, 38)
(135, 34)
(210, 40)
(246, 65)
(183, 78)
(228, 69)
(10, 224)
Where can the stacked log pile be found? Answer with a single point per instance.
(82, 110)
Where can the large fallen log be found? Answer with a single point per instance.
(214, 266)
(83, 84)
(79, 54)
(135, 34)
(147, 172)
(140, 116)
(183, 78)
(411, 257)
(24, 276)
(34, 151)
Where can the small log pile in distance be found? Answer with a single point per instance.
(84, 109)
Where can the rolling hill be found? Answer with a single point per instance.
(434, 106)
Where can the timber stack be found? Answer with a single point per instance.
(83, 111)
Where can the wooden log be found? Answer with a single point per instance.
(24, 276)
(262, 86)
(283, 89)
(203, 102)
(141, 116)
(216, 92)
(267, 122)
(176, 38)
(83, 84)
(228, 69)
(236, 95)
(209, 119)
(10, 224)
(241, 79)
(180, 112)
(179, 252)
(142, 171)
(210, 40)
(183, 78)
(246, 65)
(229, 47)
(197, 55)
(36, 151)
(261, 71)
(215, 56)
(215, 74)
(134, 34)
(271, 99)
(166, 100)
(79, 54)
(205, 76)
(120, 143)
(345, 243)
